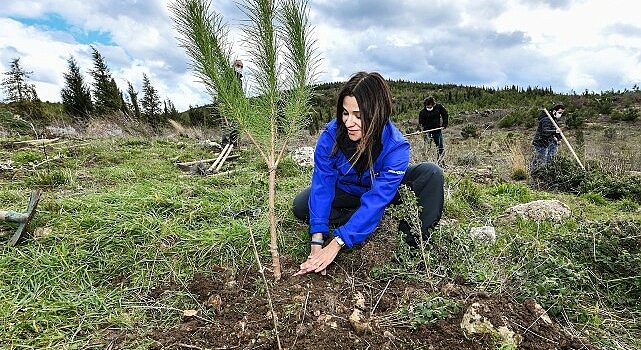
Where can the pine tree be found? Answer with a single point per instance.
(150, 103)
(16, 84)
(76, 97)
(133, 99)
(105, 91)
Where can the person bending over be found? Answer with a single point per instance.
(360, 160)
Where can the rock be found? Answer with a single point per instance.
(359, 323)
(538, 210)
(475, 323)
(304, 156)
(214, 301)
(190, 313)
(483, 234)
(538, 310)
(6, 165)
(42, 232)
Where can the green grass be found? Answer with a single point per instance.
(124, 221)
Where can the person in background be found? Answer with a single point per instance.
(434, 116)
(232, 134)
(547, 136)
(360, 160)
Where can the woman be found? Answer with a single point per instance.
(360, 160)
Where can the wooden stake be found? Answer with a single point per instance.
(567, 143)
(220, 156)
(231, 147)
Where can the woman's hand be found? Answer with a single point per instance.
(319, 260)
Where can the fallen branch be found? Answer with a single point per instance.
(186, 166)
(224, 158)
(36, 142)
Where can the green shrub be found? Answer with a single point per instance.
(594, 198)
(564, 175)
(27, 156)
(519, 174)
(470, 193)
(470, 130)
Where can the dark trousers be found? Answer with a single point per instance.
(437, 137)
(425, 179)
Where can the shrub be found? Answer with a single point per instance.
(470, 130)
(563, 174)
(470, 193)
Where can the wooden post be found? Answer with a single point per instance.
(567, 143)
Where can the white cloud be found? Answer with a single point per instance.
(565, 44)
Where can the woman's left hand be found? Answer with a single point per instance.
(319, 261)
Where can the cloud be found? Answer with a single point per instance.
(623, 29)
(555, 4)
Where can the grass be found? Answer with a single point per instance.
(125, 223)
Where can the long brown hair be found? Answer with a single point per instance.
(375, 104)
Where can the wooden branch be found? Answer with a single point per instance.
(231, 148)
(36, 142)
(206, 161)
(220, 156)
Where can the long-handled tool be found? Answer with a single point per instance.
(567, 143)
(21, 218)
(423, 131)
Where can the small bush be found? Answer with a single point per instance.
(594, 198)
(27, 156)
(610, 133)
(470, 193)
(469, 159)
(627, 205)
(564, 175)
(470, 130)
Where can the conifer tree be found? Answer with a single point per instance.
(133, 99)
(16, 84)
(150, 103)
(76, 97)
(105, 91)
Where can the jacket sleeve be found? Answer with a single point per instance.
(445, 116)
(373, 202)
(422, 119)
(323, 185)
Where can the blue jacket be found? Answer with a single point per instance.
(335, 171)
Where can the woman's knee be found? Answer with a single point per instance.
(430, 170)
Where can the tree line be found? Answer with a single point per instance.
(81, 100)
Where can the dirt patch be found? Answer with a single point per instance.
(314, 313)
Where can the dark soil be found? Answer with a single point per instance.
(313, 313)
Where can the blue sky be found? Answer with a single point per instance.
(567, 44)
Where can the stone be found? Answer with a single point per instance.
(475, 323)
(483, 234)
(304, 156)
(539, 210)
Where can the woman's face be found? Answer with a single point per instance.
(352, 118)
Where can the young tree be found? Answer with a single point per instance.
(133, 99)
(150, 103)
(277, 37)
(105, 91)
(76, 97)
(16, 84)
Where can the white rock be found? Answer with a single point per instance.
(483, 234)
(539, 210)
(304, 156)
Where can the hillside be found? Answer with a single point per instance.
(128, 252)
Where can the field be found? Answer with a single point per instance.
(128, 252)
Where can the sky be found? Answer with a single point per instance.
(569, 45)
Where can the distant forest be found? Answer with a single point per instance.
(100, 97)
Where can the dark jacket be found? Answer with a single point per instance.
(545, 132)
(331, 172)
(433, 119)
